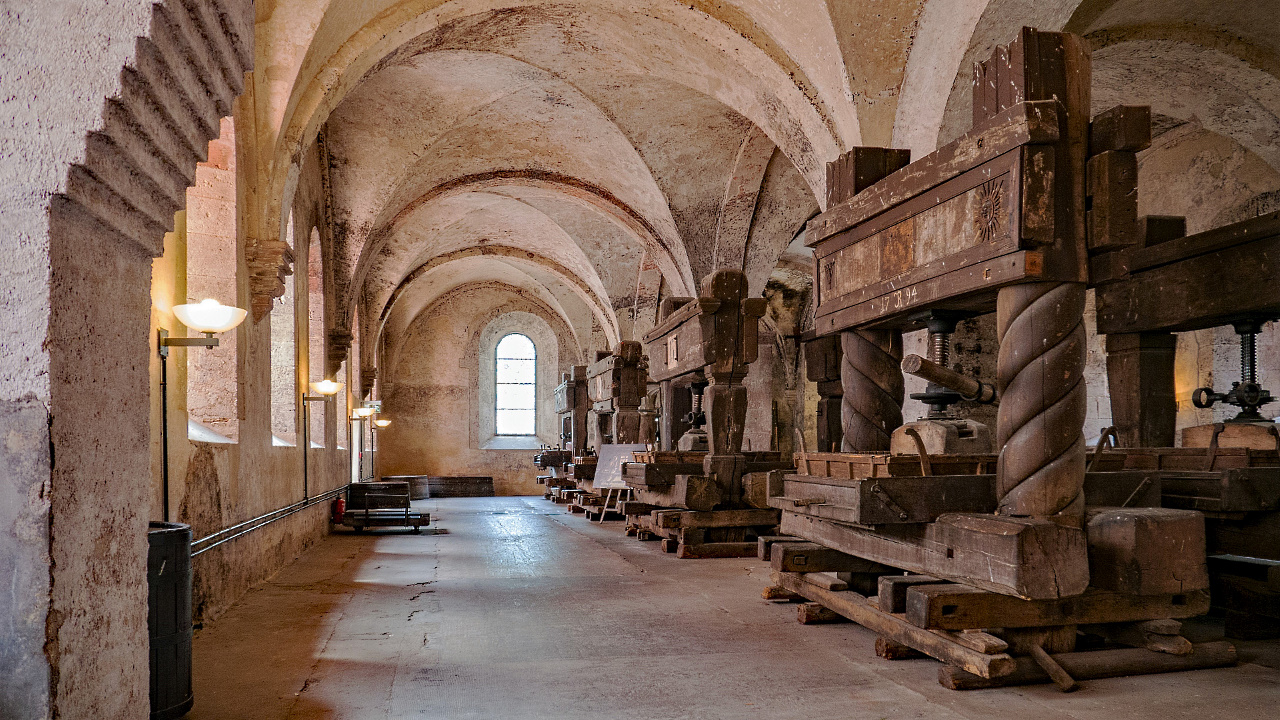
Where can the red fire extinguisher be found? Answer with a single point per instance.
(339, 509)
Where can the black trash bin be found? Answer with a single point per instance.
(169, 619)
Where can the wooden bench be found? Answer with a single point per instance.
(382, 504)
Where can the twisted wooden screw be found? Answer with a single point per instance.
(871, 375)
(1040, 378)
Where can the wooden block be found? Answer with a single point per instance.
(717, 550)
(633, 507)
(1146, 551)
(860, 168)
(816, 614)
(980, 641)
(822, 356)
(1113, 192)
(893, 650)
(1096, 664)
(1156, 229)
(826, 581)
(892, 591)
(808, 557)
(1140, 377)
(1247, 626)
(860, 610)
(670, 545)
(777, 592)
(1123, 127)
(1154, 635)
(765, 543)
(960, 607)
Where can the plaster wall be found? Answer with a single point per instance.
(435, 402)
(60, 60)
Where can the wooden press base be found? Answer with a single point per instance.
(975, 658)
(701, 534)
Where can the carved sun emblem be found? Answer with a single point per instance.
(990, 202)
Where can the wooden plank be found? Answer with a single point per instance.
(1022, 124)
(749, 517)
(1097, 664)
(1018, 556)
(717, 550)
(777, 592)
(880, 501)
(960, 607)
(1179, 249)
(860, 168)
(816, 614)
(858, 609)
(893, 650)
(814, 558)
(1123, 127)
(1189, 294)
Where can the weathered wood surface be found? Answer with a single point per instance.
(750, 517)
(1146, 551)
(716, 333)
(619, 379)
(817, 614)
(1235, 490)
(716, 550)
(1016, 556)
(807, 557)
(892, 590)
(1022, 124)
(1124, 127)
(889, 500)
(765, 543)
(1097, 664)
(1178, 285)
(960, 607)
(1140, 378)
(860, 168)
(864, 612)
(573, 405)
(879, 465)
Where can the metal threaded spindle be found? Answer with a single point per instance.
(1248, 357)
(941, 349)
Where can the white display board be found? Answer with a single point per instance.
(609, 467)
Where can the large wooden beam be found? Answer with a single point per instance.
(1096, 664)
(1140, 378)
(1014, 556)
(961, 607)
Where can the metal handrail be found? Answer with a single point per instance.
(216, 539)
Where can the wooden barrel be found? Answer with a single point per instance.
(169, 618)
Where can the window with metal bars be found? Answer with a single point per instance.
(515, 399)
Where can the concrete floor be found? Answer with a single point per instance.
(520, 610)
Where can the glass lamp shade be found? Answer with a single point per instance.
(362, 412)
(209, 316)
(382, 422)
(326, 387)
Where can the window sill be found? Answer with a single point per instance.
(512, 442)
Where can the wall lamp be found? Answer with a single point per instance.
(362, 412)
(209, 317)
(381, 423)
(323, 389)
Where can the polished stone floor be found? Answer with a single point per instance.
(516, 609)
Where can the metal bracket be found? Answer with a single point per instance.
(888, 501)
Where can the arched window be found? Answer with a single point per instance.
(515, 401)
